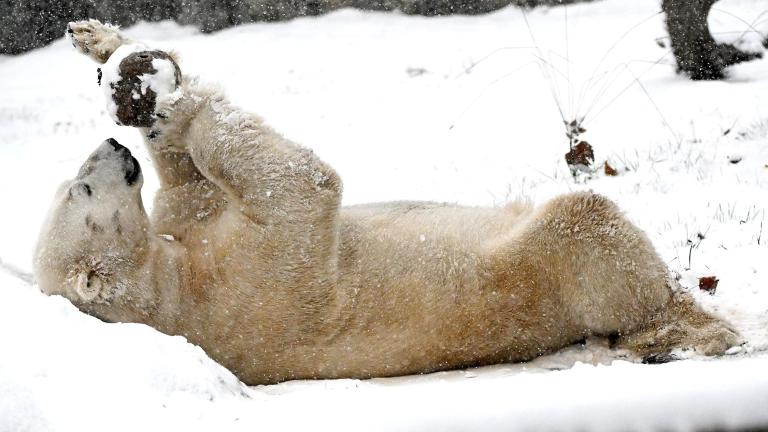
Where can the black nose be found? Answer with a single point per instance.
(116, 145)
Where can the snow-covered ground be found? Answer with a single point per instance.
(453, 109)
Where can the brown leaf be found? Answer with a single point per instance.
(708, 284)
(609, 170)
(580, 157)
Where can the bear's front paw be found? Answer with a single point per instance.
(163, 135)
(94, 39)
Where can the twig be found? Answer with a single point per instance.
(628, 86)
(482, 92)
(750, 25)
(545, 72)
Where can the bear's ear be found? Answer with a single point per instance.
(88, 286)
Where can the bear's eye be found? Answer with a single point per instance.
(87, 189)
(98, 75)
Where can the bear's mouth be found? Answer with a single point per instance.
(132, 167)
(133, 171)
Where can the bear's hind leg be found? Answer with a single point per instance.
(612, 281)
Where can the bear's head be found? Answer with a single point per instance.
(96, 235)
(134, 79)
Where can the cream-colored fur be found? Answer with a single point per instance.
(250, 255)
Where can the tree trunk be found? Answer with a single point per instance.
(696, 52)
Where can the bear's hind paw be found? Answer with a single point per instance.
(94, 39)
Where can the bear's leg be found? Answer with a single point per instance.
(173, 168)
(94, 39)
(681, 325)
(99, 41)
(291, 197)
(612, 281)
(605, 270)
(274, 182)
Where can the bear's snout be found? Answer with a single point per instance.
(116, 145)
(130, 164)
(112, 148)
(111, 157)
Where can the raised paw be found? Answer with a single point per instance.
(94, 39)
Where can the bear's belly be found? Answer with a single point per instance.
(411, 295)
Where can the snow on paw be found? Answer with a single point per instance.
(139, 83)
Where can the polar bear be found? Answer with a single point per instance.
(250, 255)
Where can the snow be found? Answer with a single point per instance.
(163, 81)
(476, 124)
(110, 75)
(68, 365)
